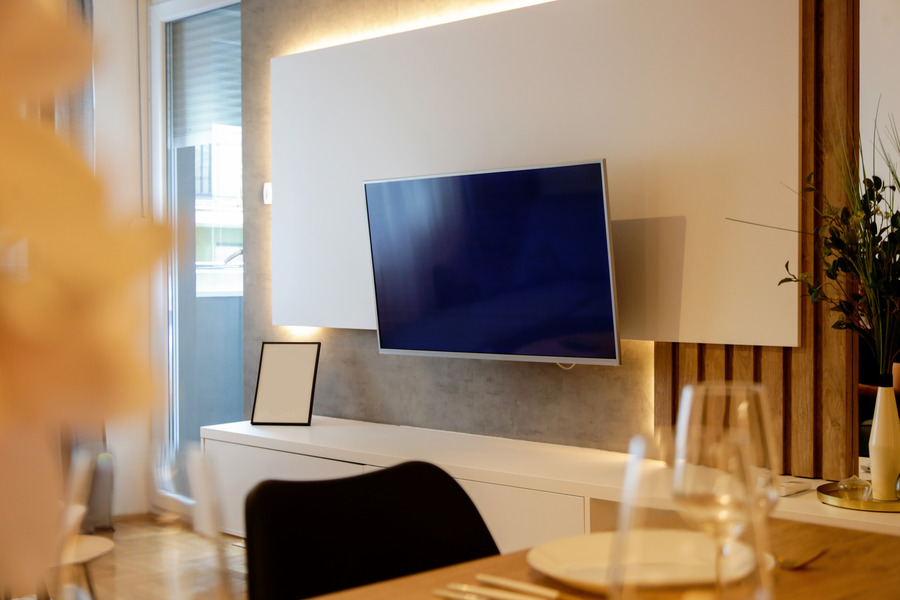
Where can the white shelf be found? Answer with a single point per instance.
(807, 507)
(534, 465)
(489, 467)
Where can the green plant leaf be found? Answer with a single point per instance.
(857, 245)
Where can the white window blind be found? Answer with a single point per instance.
(205, 69)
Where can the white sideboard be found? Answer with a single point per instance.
(527, 492)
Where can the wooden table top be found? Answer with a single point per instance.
(858, 565)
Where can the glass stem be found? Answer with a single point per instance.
(721, 549)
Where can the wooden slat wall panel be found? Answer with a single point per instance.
(812, 388)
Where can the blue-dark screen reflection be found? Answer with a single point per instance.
(508, 263)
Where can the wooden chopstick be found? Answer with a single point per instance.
(525, 587)
(491, 592)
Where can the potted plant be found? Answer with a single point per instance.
(859, 246)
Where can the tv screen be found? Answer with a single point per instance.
(513, 264)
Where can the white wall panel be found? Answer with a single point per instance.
(879, 89)
(694, 104)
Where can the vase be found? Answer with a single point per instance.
(884, 445)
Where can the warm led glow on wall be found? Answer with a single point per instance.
(299, 332)
(431, 15)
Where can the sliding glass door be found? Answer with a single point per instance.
(205, 278)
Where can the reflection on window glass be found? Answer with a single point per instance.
(205, 105)
(219, 213)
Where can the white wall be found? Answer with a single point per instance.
(694, 104)
(117, 122)
(879, 86)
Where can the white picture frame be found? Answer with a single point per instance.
(286, 383)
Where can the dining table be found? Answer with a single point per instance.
(857, 564)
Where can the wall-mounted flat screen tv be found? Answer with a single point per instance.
(513, 264)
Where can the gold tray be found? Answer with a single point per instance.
(829, 494)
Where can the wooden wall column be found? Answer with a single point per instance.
(812, 387)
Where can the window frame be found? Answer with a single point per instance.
(155, 168)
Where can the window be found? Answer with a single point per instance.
(203, 204)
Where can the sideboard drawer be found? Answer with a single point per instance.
(520, 518)
(237, 468)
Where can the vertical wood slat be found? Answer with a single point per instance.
(812, 388)
(771, 376)
(839, 89)
(799, 404)
(743, 364)
(664, 401)
(714, 367)
(687, 366)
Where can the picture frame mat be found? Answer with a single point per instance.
(286, 383)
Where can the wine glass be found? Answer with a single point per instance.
(729, 405)
(718, 487)
(711, 488)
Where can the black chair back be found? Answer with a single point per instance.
(306, 538)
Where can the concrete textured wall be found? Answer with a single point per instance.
(589, 406)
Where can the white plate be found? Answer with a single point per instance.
(656, 558)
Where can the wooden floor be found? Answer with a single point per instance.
(158, 557)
